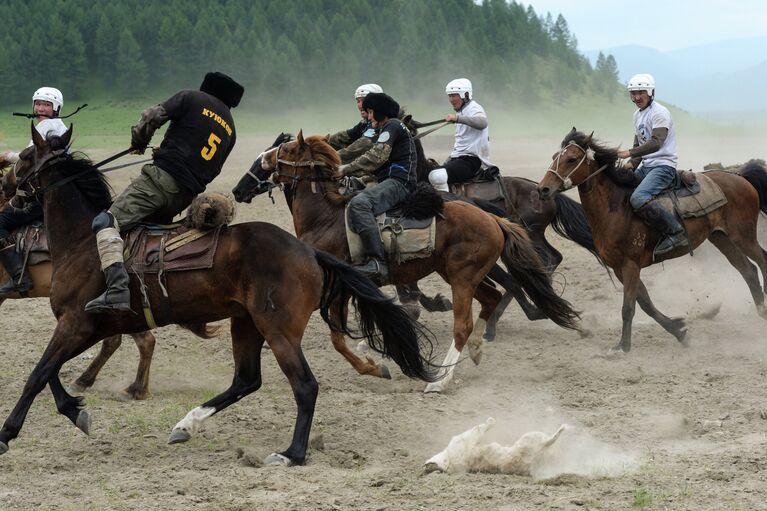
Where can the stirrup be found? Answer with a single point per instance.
(374, 269)
(670, 243)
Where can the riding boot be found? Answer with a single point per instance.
(14, 265)
(375, 267)
(116, 298)
(667, 223)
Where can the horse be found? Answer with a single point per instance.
(40, 274)
(468, 242)
(263, 278)
(522, 204)
(626, 244)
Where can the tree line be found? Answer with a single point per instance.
(292, 48)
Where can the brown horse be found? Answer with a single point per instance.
(265, 280)
(468, 243)
(626, 244)
(41, 279)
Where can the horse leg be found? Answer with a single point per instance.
(489, 298)
(674, 326)
(629, 276)
(462, 326)
(737, 256)
(247, 341)
(408, 295)
(63, 346)
(86, 380)
(139, 389)
(367, 366)
(505, 279)
(70, 406)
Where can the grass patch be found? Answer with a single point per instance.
(642, 499)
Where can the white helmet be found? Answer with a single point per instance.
(642, 81)
(49, 94)
(364, 90)
(460, 86)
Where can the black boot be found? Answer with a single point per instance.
(117, 296)
(14, 265)
(667, 223)
(375, 267)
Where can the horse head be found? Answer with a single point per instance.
(310, 158)
(33, 160)
(579, 159)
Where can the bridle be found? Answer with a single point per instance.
(588, 154)
(50, 161)
(293, 175)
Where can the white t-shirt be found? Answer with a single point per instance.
(656, 116)
(45, 127)
(471, 141)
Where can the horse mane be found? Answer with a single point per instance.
(324, 152)
(603, 155)
(90, 182)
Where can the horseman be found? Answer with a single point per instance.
(359, 138)
(471, 151)
(392, 161)
(199, 139)
(46, 106)
(653, 161)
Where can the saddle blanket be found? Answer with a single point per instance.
(485, 190)
(151, 250)
(404, 239)
(691, 204)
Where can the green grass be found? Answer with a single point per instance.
(642, 498)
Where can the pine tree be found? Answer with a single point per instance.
(131, 72)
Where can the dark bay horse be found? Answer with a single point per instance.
(626, 244)
(264, 279)
(468, 242)
(41, 278)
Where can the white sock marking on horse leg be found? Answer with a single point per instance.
(476, 340)
(194, 420)
(450, 360)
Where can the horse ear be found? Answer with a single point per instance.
(37, 138)
(588, 139)
(573, 131)
(66, 138)
(300, 138)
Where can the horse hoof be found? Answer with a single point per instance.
(385, 373)
(616, 352)
(83, 422)
(684, 338)
(412, 310)
(433, 388)
(475, 352)
(428, 468)
(135, 394)
(3, 448)
(278, 459)
(178, 436)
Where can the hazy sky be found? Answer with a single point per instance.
(659, 24)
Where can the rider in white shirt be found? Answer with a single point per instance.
(471, 151)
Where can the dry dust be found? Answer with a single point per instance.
(663, 427)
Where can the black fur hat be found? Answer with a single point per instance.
(382, 105)
(223, 87)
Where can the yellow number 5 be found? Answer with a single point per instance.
(208, 152)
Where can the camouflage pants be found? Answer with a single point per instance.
(154, 197)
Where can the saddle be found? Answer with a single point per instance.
(486, 185)
(404, 238)
(158, 249)
(693, 195)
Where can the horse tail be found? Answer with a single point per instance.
(387, 327)
(756, 174)
(203, 330)
(525, 265)
(570, 222)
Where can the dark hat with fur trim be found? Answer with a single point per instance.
(223, 87)
(382, 105)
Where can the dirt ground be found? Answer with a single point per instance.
(661, 428)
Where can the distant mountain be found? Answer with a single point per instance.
(725, 76)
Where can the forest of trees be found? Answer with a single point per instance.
(292, 48)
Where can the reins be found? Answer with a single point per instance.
(588, 154)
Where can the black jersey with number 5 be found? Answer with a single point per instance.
(200, 136)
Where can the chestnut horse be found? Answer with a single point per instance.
(41, 279)
(265, 280)
(468, 243)
(626, 244)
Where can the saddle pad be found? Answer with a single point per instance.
(485, 190)
(403, 238)
(152, 250)
(709, 198)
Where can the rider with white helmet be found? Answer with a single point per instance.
(359, 138)
(654, 158)
(46, 105)
(471, 151)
